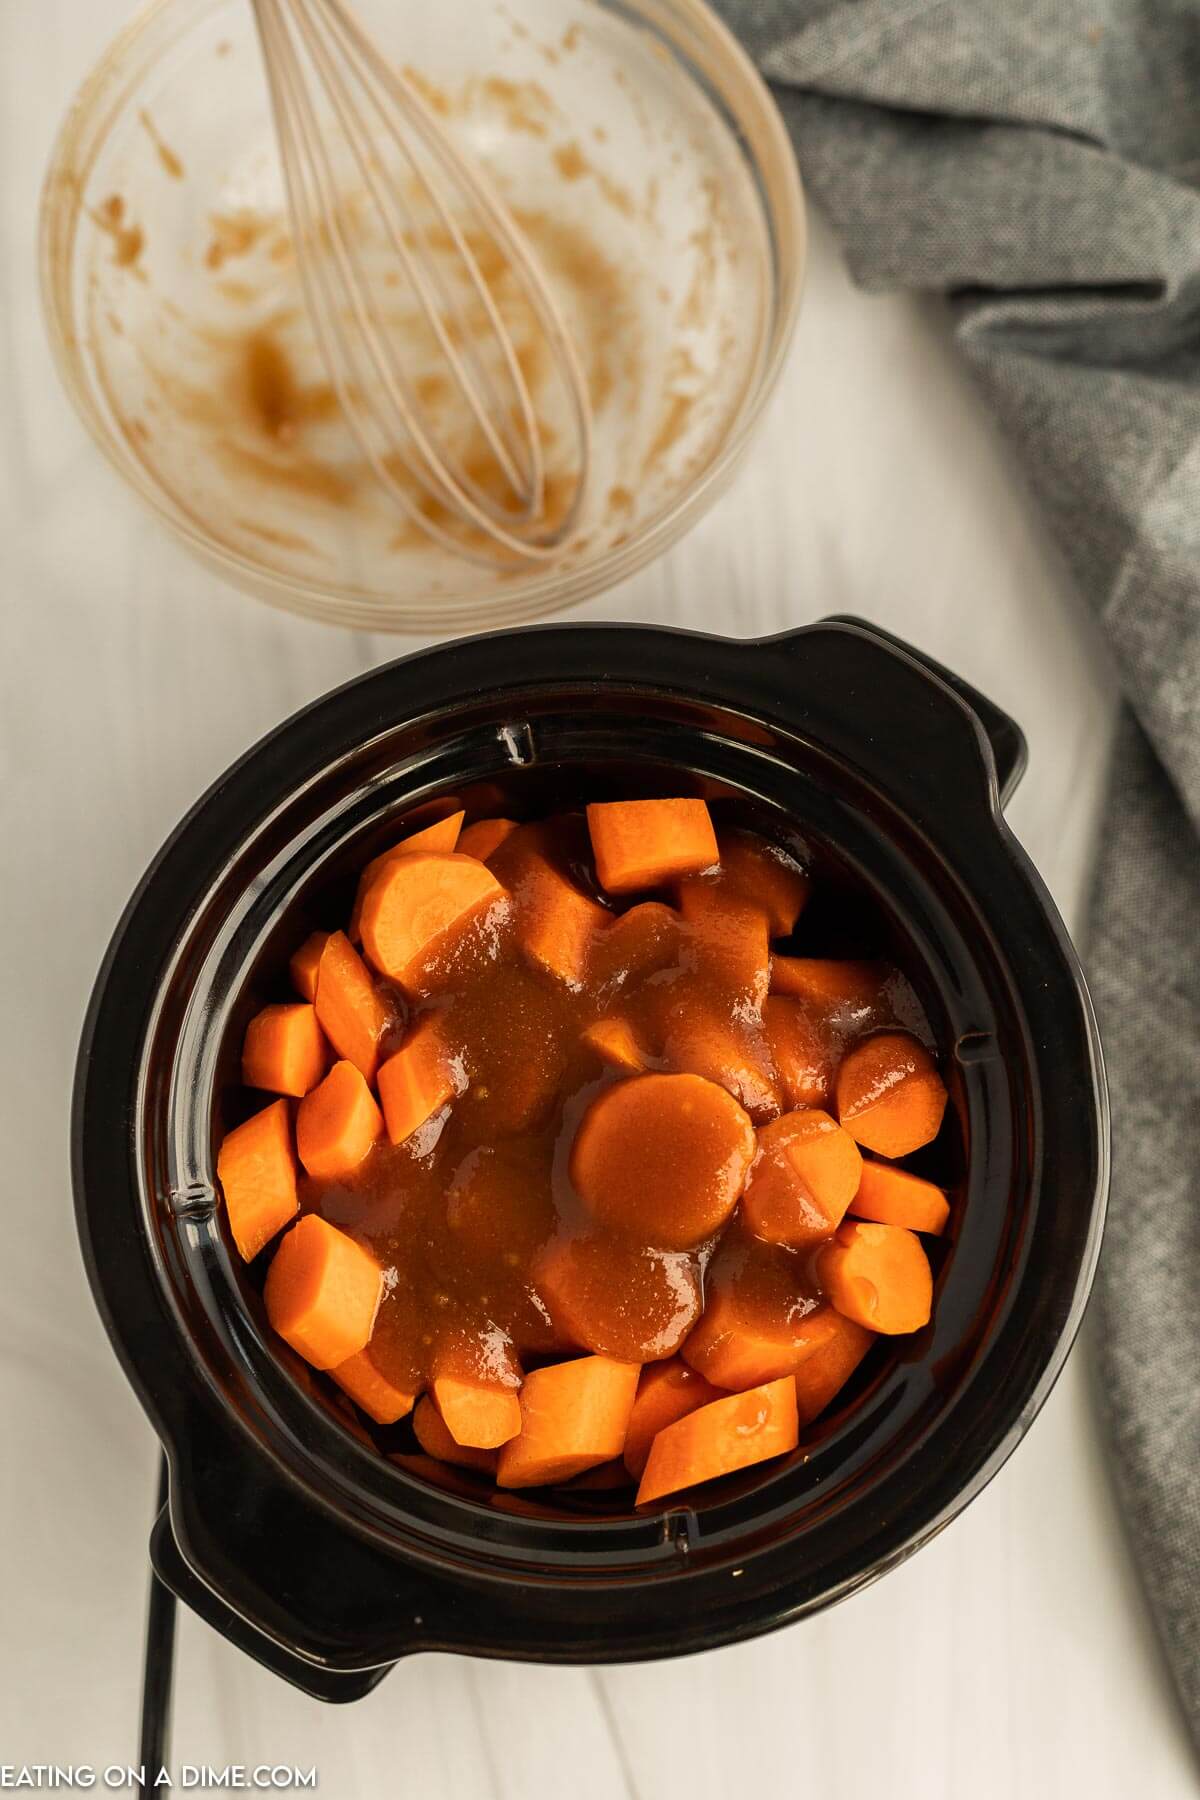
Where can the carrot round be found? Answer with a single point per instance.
(894, 1197)
(829, 986)
(484, 837)
(305, 963)
(438, 839)
(804, 1177)
(479, 1415)
(768, 877)
(877, 1275)
(890, 1096)
(733, 1433)
(322, 1292)
(618, 1298)
(417, 1081)
(662, 1158)
(647, 843)
(614, 1043)
(416, 903)
(256, 1167)
(798, 1051)
(367, 1385)
(738, 1344)
(285, 1050)
(573, 1416)
(350, 1011)
(337, 1124)
(822, 1375)
(707, 1045)
(667, 1391)
(436, 1439)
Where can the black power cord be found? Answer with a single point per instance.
(158, 1671)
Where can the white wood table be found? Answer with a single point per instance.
(1013, 1656)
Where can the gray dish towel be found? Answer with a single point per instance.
(1038, 163)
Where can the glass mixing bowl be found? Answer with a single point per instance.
(654, 178)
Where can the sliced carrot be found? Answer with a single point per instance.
(438, 839)
(894, 1197)
(637, 943)
(798, 1051)
(877, 1275)
(417, 1081)
(736, 1346)
(804, 1177)
(322, 1292)
(436, 1439)
(256, 1167)
(733, 1433)
(478, 1415)
(707, 1045)
(285, 1050)
(824, 1373)
(484, 836)
(766, 876)
(351, 1013)
(619, 1298)
(662, 1158)
(418, 902)
(367, 1385)
(890, 1096)
(667, 1391)
(614, 1043)
(573, 1416)
(731, 937)
(337, 1124)
(556, 924)
(305, 963)
(829, 986)
(647, 843)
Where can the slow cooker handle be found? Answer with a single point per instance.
(1009, 749)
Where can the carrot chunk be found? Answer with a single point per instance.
(766, 876)
(485, 836)
(416, 903)
(637, 943)
(256, 1167)
(417, 1081)
(556, 924)
(667, 1391)
(733, 1433)
(614, 1043)
(710, 1046)
(877, 1275)
(890, 1096)
(736, 1345)
(829, 986)
(804, 1178)
(337, 1124)
(438, 839)
(797, 1051)
(285, 1050)
(367, 1385)
(824, 1373)
(573, 1416)
(663, 1158)
(322, 1293)
(305, 963)
(478, 1415)
(618, 1298)
(731, 938)
(646, 843)
(351, 1013)
(894, 1197)
(436, 1439)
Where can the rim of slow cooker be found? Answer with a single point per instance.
(601, 1547)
